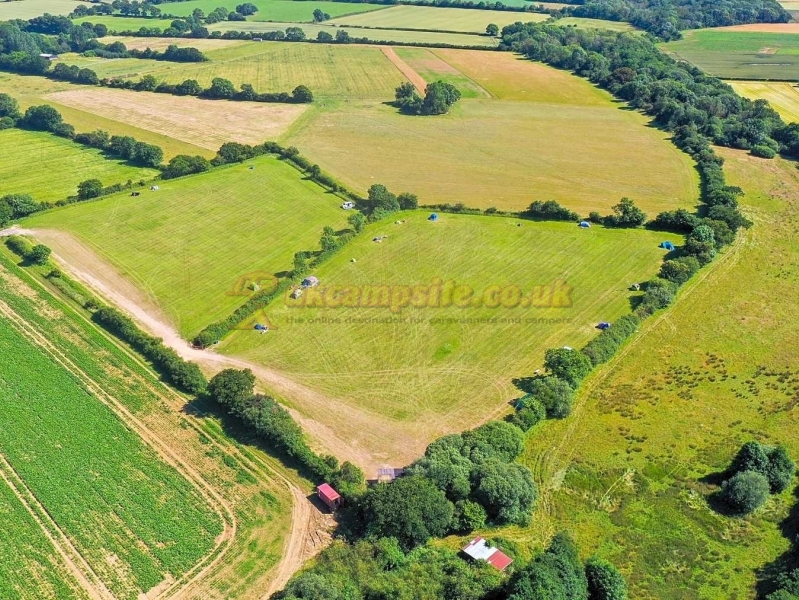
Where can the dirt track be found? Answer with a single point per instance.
(417, 80)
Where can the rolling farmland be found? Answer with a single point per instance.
(66, 164)
(782, 96)
(536, 142)
(176, 244)
(29, 9)
(277, 10)
(734, 54)
(420, 373)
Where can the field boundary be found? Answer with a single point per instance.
(417, 80)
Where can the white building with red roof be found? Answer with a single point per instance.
(478, 549)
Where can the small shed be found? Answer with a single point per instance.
(389, 474)
(603, 325)
(329, 496)
(310, 282)
(433, 217)
(667, 245)
(585, 224)
(478, 549)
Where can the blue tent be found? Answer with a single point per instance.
(433, 217)
(603, 325)
(667, 245)
(260, 327)
(585, 224)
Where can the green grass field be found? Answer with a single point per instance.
(188, 244)
(566, 141)
(328, 70)
(428, 372)
(624, 472)
(783, 97)
(50, 168)
(274, 10)
(375, 35)
(740, 54)
(131, 516)
(445, 19)
(28, 9)
(432, 68)
(580, 23)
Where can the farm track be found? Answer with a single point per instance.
(550, 466)
(73, 559)
(309, 527)
(417, 80)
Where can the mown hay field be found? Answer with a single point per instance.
(50, 168)
(394, 379)
(275, 10)
(581, 23)
(631, 472)
(28, 9)
(134, 518)
(161, 43)
(118, 23)
(204, 123)
(328, 70)
(782, 96)
(444, 19)
(740, 54)
(566, 140)
(188, 244)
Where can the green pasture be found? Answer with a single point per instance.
(581, 23)
(273, 10)
(28, 9)
(50, 168)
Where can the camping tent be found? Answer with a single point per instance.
(603, 325)
(433, 217)
(667, 245)
(585, 224)
(310, 282)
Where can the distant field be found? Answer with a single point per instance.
(580, 23)
(274, 10)
(27, 9)
(117, 24)
(142, 43)
(188, 244)
(626, 472)
(50, 168)
(447, 19)
(134, 519)
(394, 386)
(204, 123)
(377, 35)
(783, 97)
(432, 68)
(328, 70)
(567, 142)
(740, 54)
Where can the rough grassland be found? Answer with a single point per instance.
(567, 141)
(581, 23)
(160, 44)
(626, 472)
(375, 35)
(783, 97)
(204, 123)
(188, 244)
(394, 381)
(28, 9)
(445, 19)
(740, 54)
(131, 516)
(432, 68)
(50, 168)
(328, 70)
(275, 10)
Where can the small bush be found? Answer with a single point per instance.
(745, 492)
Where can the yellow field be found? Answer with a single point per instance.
(161, 43)
(204, 123)
(783, 96)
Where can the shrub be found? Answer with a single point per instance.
(39, 254)
(746, 491)
(555, 394)
(91, 188)
(604, 346)
(468, 516)
(529, 412)
(679, 270)
(659, 294)
(763, 151)
(19, 246)
(567, 364)
(625, 214)
(550, 210)
(604, 581)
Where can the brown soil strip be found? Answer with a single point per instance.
(404, 68)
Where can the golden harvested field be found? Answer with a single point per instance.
(28, 9)
(765, 28)
(142, 43)
(581, 23)
(566, 141)
(204, 123)
(444, 19)
(783, 96)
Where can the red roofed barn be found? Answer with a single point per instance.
(329, 496)
(478, 549)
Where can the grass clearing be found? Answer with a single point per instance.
(275, 10)
(444, 19)
(783, 96)
(28, 9)
(739, 54)
(204, 123)
(625, 472)
(135, 519)
(581, 23)
(454, 158)
(394, 381)
(188, 244)
(50, 168)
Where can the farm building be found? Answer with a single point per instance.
(310, 282)
(478, 549)
(329, 496)
(49, 56)
(389, 474)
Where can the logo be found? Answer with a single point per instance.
(252, 283)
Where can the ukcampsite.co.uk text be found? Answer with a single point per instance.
(437, 294)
